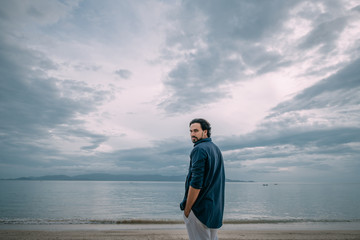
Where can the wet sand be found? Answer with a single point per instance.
(176, 234)
(305, 231)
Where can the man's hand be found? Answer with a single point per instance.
(187, 213)
(191, 198)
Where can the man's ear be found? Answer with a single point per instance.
(205, 132)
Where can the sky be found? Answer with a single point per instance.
(111, 86)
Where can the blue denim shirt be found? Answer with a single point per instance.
(206, 172)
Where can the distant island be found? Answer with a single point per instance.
(110, 177)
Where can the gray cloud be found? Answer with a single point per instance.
(33, 105)
(340, 89)
(274, 134)
(94, 139)
(157, 159)
(295, 135)
(328, 26)
(199, 79)
(245, 20)
(217, 42)
(123, 73)
(326, 33)
(86, 67)
(17, 14)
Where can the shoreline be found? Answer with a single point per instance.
(269, 231)
(177, 234)
(293, 226)
(165, 221)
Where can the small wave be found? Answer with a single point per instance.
(269, 221)
(162, 221)
(87, 221)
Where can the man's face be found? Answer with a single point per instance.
(196, 133)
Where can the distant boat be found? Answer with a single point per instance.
(265, 184)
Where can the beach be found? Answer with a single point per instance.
(305, 231)
(176, 234)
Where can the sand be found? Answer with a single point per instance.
(177, 234)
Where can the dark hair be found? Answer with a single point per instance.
(205, 125)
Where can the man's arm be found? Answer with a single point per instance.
(191, 198)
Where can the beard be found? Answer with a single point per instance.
(195, 139)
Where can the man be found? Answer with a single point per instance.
(203, 203)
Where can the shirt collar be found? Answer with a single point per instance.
(202, 140)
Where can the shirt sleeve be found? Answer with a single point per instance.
(198, 158)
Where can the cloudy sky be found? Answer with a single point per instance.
(110, 87)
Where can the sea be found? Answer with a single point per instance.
(119, 202)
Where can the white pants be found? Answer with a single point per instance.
(197, 230)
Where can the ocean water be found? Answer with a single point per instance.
(104, 202)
